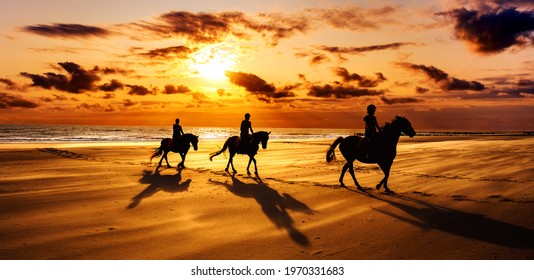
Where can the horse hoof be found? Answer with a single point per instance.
(359, 188)
(248, 173)
(378, 186)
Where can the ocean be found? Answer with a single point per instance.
(10, 133)
(85, 133)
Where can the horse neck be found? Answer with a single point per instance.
(256, 139)
(187, 137)
(391, 134)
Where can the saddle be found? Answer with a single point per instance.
(242, 145)
(368, 148)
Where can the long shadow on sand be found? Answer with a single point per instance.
(272, 204)
(473, 226)
(158, 182)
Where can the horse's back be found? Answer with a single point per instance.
(350, 146)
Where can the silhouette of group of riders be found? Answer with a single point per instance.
(371, 129)
(377, 146)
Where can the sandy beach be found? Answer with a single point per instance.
(455, 198)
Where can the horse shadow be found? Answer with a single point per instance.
(473, 226)
(158, 182)
(273, 205)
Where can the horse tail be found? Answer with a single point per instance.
(157, 152)
(331, 153)
(225, 146)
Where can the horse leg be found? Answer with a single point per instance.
(249, 161)
(345, 167)
(181, 164)
(351, 171)
(252, 159)
(386, 167)
(159, 164)
(166, 159)
(231, 162)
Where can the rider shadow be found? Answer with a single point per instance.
(273, 205)
(473, 226)
(158, 182)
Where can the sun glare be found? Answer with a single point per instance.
(210, 63)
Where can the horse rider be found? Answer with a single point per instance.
(176, 132)
(371, 127)
(246, 126)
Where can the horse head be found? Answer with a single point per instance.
(194, 141)
(405, 126)
(261, 137)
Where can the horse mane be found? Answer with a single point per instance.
(393, 121)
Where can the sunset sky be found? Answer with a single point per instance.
(445, 65)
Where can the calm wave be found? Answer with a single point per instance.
(79, 133)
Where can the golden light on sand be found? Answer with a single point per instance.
(211, 62)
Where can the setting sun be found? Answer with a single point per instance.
(210, 63)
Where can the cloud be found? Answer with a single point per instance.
(9, 83)
(493, 30)
(8, 101)
(171, 89)
(141, 90)
(444, 80)
(362, 80)
(97, 107)
(421, 90)
(197, 27)
(181, 52)
(212, 27)
(79, 80)
(341, 91)
(399, 100)
(357, 50)
(111, 86)
(257, 86)
(129, 103)
(112, 71)
(353, 17)
(66, 30)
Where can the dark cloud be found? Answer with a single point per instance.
(8, 101)
(320, 58)
(399, 100)
(171, 89)
(362, 80)
(140, 90)
(205, 27)
(129, 103)
(112, 71)
(180, 52)
(357, 50)
(444, 80)
(421, 90)
(66, 30)
(111, 86)
(197, 27)
(493, 30)
(9, 83)
(79, 80)
(257, 86)
(108, 96)
(341, 91)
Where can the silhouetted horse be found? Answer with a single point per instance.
(182, 147)
(382, 149)
(251, 149)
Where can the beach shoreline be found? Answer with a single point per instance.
(455, 198)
